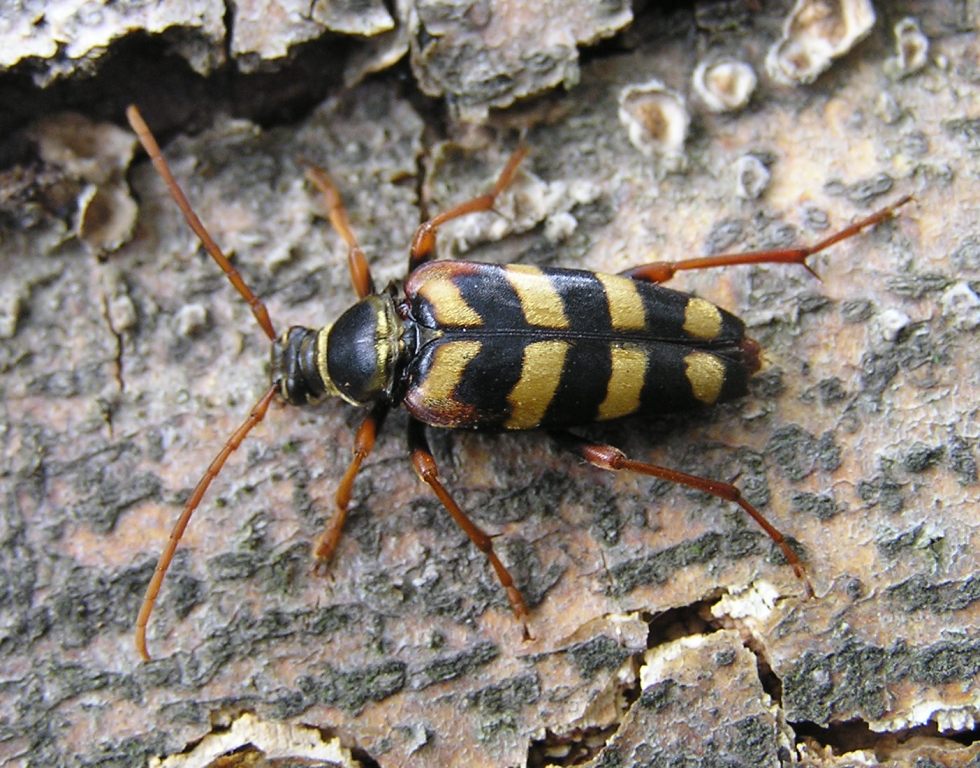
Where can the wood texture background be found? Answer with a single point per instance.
(668, 633)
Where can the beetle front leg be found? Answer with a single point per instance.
(360, 272)
(424, 241)
(425, 468)
(613, 459)
(327, 541)
(662, 271)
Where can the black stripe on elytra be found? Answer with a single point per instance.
(588, 364)
(490, 377)
(666, 387)
(492, 374)
(665, 316)
(583, 385)
(488, 292)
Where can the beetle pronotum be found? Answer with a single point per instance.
(483, 346)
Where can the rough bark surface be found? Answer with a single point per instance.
(668, 632)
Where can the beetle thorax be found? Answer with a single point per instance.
(354, 358)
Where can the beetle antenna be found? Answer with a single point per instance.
(167, 556)
(149, 143)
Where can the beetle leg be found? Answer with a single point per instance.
(424, 241)
(662, 271)
(326, 542)
(425, 468)
(613, 459)
(360, 272)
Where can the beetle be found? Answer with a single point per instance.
(464, 345)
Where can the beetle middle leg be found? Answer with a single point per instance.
(662, 271)
(425, 468)
(424, 241)
(326, 542)
(611, 458)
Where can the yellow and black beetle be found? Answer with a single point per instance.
(464, 345)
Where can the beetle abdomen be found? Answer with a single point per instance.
(518, 347)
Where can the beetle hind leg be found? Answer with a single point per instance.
(425, 468)
(662, 271)
(611, 458)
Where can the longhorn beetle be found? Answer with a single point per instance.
(463, 345)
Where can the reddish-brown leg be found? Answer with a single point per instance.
(425, 468)
(360, 272)
(257, 413)
(662, 271)
(613, 459)
(424, 241)
(326, 542)
(149, 143)
(153, 589)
